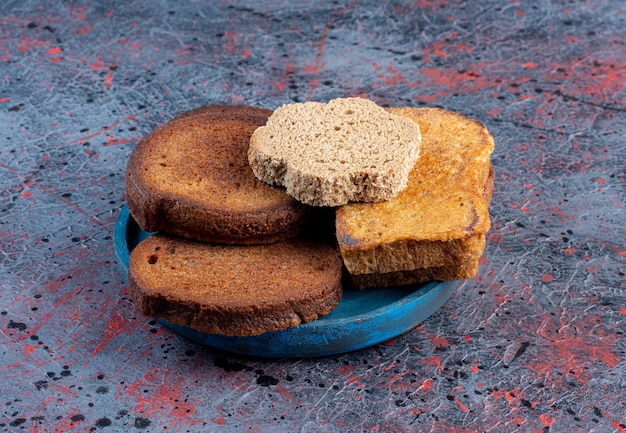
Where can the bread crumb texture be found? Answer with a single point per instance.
(330, 154)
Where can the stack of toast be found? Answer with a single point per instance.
(237, 254)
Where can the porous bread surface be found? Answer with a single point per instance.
(440, 218)
(191, 177)
(328, 154)
(234, 289)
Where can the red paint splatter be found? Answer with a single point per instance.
(83, 30)
(160, 403)
(433, 360)
(426, 385)
(622, 311)
(570, 354)
(439, 341)
(547, 278)
(219, 419)
(27, 43)
(546, 419)
(461, 405)
(618, 425)
(423, 4)
(116, 325)
(390, 342)
(112, 141)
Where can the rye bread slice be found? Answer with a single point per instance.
(328, 154)
(191, 178)
(234, 290)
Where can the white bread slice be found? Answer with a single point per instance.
(329, 154)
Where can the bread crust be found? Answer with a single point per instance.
(231, 289)
(457, 271)
(442, 216)
(190, 177)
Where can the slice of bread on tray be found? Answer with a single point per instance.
(236, 290)
(191, 178)
(461, 270)
(328, 154)
(439, 221)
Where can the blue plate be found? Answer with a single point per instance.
(362, 318)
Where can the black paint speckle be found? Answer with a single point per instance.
(230, 366)
(103, 422)
(141, 423)
(16, 325)
(41, 384)
(17, 422)
(265, 380)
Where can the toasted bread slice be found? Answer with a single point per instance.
(234, 289)
(441, 218)
(456, 271)
(191, 178)
(327, 154)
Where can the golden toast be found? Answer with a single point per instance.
(440, 219)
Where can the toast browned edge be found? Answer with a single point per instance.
(159, 211)
(235, 320)
(461, 270)
(227, 109)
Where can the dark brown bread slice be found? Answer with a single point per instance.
(461, 270)
(234, 289)
(191, 178)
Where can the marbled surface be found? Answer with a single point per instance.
(534, 343)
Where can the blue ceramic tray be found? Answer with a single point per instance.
(362, 318)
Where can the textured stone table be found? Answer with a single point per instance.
(534, 343)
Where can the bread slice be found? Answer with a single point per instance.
(441, 218)
(457, 271)
(191, 178)
(231, 289)
(328, 154)
(461, 270)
